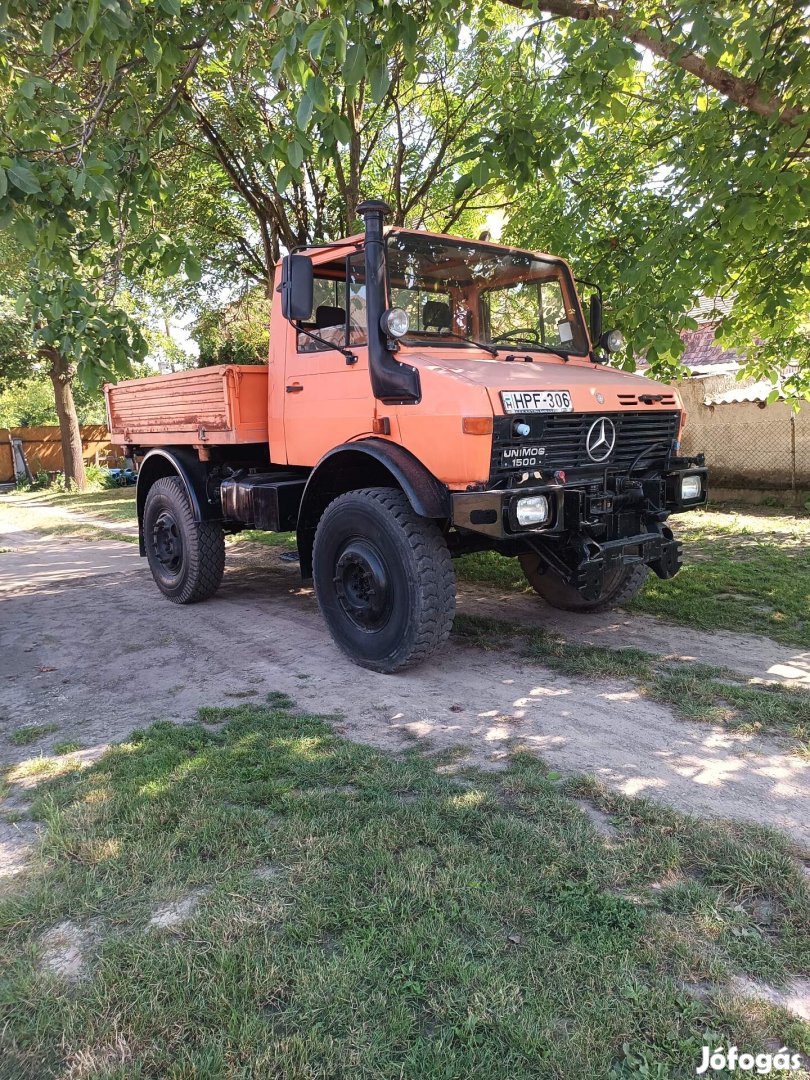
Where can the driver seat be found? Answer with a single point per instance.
(436, 313)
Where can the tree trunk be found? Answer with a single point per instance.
(61, 373)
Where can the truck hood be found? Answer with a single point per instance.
(593, 387)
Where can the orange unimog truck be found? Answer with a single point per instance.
(426, 396)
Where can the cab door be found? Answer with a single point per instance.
(327, 395)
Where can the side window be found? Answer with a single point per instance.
(555, 327)
(358, 320)
(328, 310)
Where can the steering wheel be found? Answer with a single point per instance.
(521, 333)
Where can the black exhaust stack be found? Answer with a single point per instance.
(392, 382)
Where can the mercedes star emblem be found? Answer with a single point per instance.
(601, 439)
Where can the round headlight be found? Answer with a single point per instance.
(394, 322)
(614, 341)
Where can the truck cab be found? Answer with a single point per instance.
(427, 396)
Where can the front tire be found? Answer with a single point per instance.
(383, 579)
(186, 556)
(618, 588)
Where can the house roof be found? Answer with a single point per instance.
(756, 392)
(700, 350)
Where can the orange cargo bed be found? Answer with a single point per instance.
(206, 406)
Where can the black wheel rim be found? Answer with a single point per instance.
(167, 542)
(363, 585)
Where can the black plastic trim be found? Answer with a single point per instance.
(180, 462)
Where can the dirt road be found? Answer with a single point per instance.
(87, 643)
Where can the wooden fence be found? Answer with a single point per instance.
(43, 448)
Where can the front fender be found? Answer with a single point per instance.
(362, 464)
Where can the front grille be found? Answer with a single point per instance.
(560, 441)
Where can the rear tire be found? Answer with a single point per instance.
(619, 587)
(186, 556)
(383, 579)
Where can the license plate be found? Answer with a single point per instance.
(536, 401)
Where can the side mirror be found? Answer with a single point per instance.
(297, 287)
(595, 319)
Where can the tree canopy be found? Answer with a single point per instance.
(662, 148)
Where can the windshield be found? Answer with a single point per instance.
(457, 290)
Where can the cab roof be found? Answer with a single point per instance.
(324, 252)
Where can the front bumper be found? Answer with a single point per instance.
(592, 527)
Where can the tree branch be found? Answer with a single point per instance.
(741, 91)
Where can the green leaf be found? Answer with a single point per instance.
(64, 18)
(337, 29)
(106, 231)
(3, 183)
(48, 31)
(24, 230)
(753, 41)
(22, 178)
(109, 63)
(303, 113)
(316, 88)
(355, 67)
(171, 7)
(238, 54)
(153, 52)
(379, 78)
(285, 177)
(342, 130)
(615, 55)
(315, 36)
(295, 154)
(462, 184)
(192, 268)
(100, 187)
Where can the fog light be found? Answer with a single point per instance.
(691, 488)
(532, 511)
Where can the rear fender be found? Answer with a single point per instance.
(367, 463)
(175, 461)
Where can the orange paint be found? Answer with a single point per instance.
(304, 403)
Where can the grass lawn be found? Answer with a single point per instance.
(111, 504)
(253, 896)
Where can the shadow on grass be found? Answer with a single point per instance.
(747, 577)
(694, 691)
(354, 914)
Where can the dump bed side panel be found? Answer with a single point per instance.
(215, 405)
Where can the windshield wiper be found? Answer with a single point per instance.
(540, 346)
(469, 341)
